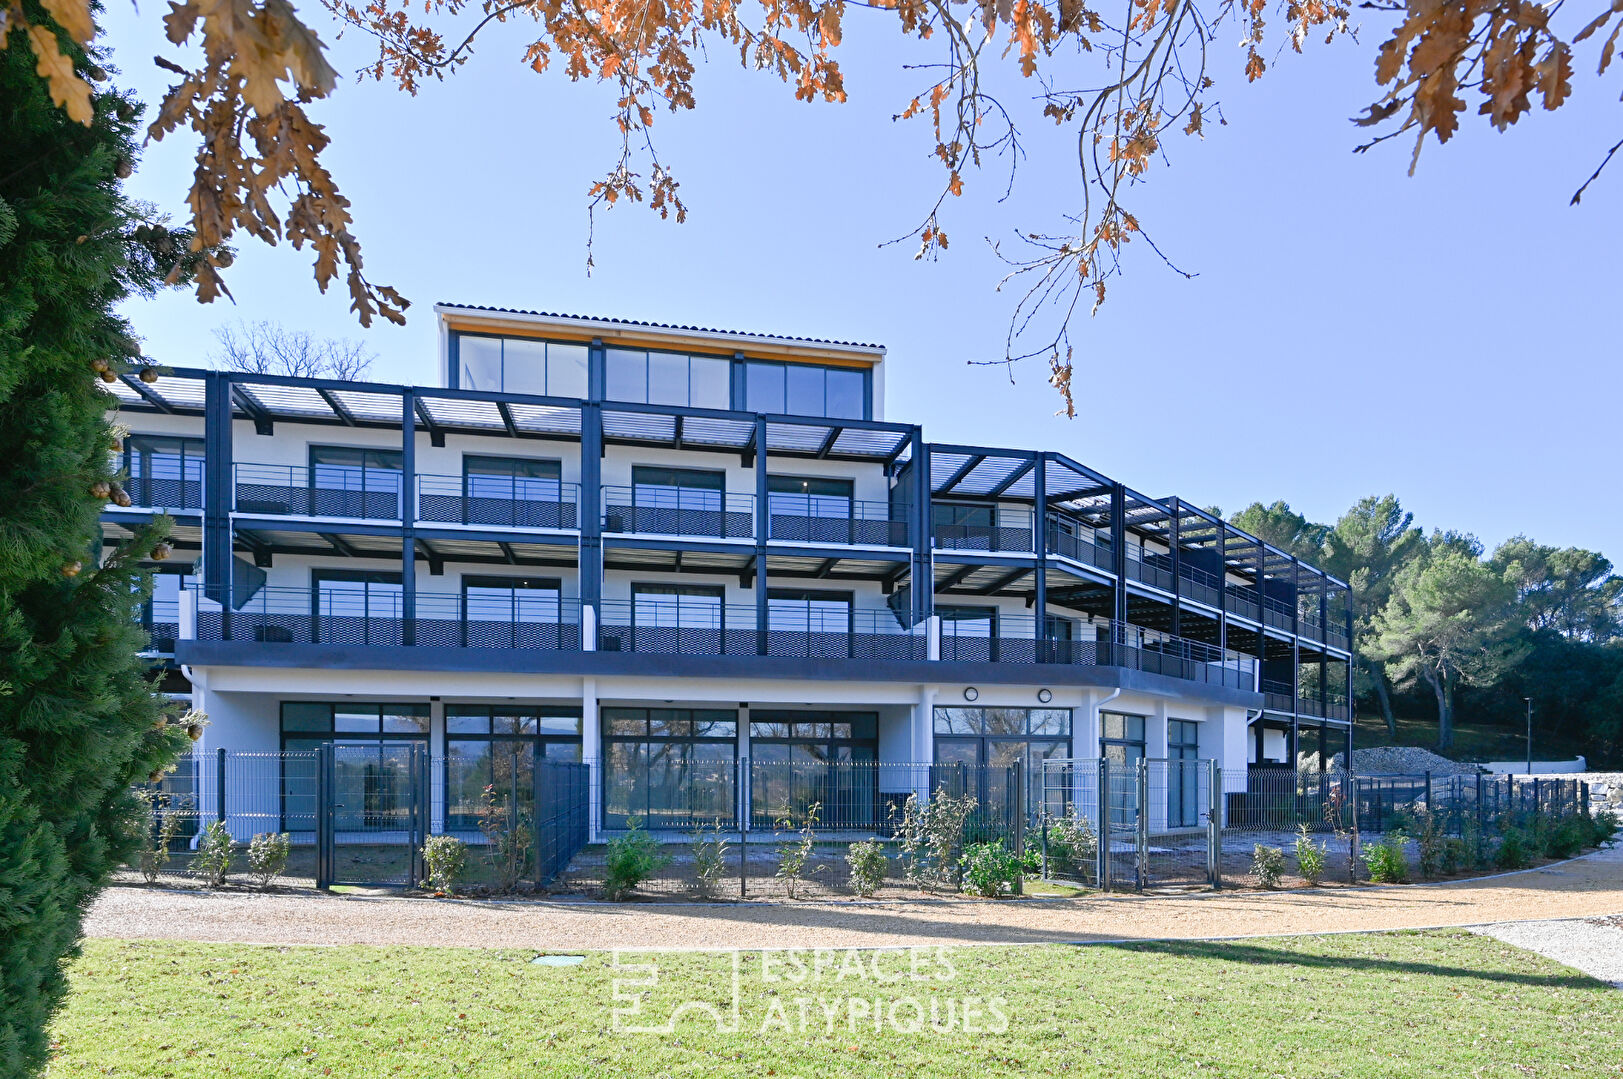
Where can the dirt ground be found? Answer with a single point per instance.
(1584, 887)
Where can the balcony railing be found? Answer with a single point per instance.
(734, 630)
(674, 512)
(442, 620)
(371, 494)
(511, 502)
(1012, 534)
(1014, 640)
(161, 619)
(1245, 602)
(1149, 567)
(1277, 696)
(165, 492)
(818, 519)
(1078, 548)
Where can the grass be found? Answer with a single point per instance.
(1385, 1005)
(1472, 742)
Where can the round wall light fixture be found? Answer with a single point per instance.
(971, 693)
(1044, 696)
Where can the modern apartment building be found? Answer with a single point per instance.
(659, 548)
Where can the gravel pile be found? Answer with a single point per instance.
(1403, 760)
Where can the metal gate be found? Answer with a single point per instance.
(1150, 822)
(372, 813)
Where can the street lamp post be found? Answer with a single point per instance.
(1529, 701)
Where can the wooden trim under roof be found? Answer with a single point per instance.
(717, 344)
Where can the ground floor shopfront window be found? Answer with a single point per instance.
(989, 741)
(672, 768)
(497, 746)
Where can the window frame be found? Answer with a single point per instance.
(752, 364)
(454, 363)
(647, 739)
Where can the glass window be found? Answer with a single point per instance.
(480, 360)
(809, 496)
(678, 606)
(1117, 727)
(524, 366)
(678, 488)
(710, 382)
(808, 611)
(306, 716)
(803, 389)
(847, 394)
(670, 767)
(511, 478)
(164, 472)
(625, 375)
(511, 599)
(667, 378)
(763, 387)
(566, 370)
(1002, 738)
(342, 594)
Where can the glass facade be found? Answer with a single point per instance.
(667, 378)
(1001, 738)
(1183, 773)
(801, 389)
(497, 746)
(672, 768)
(521, 365)
(372, 786)
(808, 496)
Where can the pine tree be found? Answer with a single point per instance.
(79, 718)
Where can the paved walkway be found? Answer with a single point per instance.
(1586, 887)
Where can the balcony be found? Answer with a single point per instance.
(1014, 640)
(1244, 602)
(734, 630)
(167, 492)
(443, 620)
(1278, 696)
(1012, 533)
(678, 512)
(1149, 568)
(499, 501)
(369, 494)
(1078, 548)
(843, 522)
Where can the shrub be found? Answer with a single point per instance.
(158, 823)
(1428, 835)
(1513, 850)
(709, 849)
(1602, 826)
(1566, 838)
(1456, 855)
(1310, 855)
(869, 864)
(930, 832)
(267, 856)
(1073, 846)
(1387, 862)
(445, 858)
(507, 839)
(632, 858)
(991, 869)
(212, 861)
(1478, 849)
(1268, 864)
(794, 854)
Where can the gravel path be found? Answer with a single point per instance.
(1592, 945)
(1587, 887)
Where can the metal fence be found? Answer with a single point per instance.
(358, 814)
(1149, 823)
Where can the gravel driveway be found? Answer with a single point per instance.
(1586, 887)
(1592, 945)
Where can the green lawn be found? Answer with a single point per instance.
(1446, 1004)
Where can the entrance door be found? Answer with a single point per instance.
(373, 812)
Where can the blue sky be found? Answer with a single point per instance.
(1350, 331)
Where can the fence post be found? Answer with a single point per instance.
(219, 787)
(1214, 824)
(1429, 807)
(323, 822)
(741, 784)
(1583, 795)
(1142, 870)
(1102, 815)
(1019, 786)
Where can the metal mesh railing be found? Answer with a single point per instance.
(512, 502)
(323, 491)
(735, 630)
(670, 512)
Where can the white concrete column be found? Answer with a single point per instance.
(924, 737)
(588, 628)
(591, 751)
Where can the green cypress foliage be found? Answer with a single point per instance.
(79, 719)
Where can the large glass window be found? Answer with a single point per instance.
(677, 488)
(354, 481)
(808, 496)
(798, 758)
(800, 389)
(673, 768)
(160, 614)
(519, 491)
(1183, 773)
(521, 365)
(680, 606)
(165, 472)
(497, 746)
(1121, 742)
(1001, 739)
(808, 611)
(667, 378)
(356, 607)
(371, 758)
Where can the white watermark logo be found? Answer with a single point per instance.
(813, 990)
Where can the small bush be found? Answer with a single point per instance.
(991, 869)
(1513, 850)
(507, 839)
(445, 857)
(212, 861)
(1567, 838)
(708, 847)
(1268, 865)
(869, 865)
(1478, 850)
(1073, 846)
(1310, 856)
(632, 858)
(1456, 855)
(794, 855)
(158, 824)
(1429, 838)
(1387, 862)
(1602, 827)
(267, 856)
(930, 832)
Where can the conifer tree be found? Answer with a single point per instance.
(80, 721)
